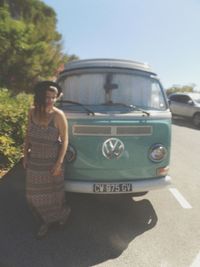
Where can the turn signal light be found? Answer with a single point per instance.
(163, 171)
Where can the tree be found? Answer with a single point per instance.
(178, 88)
(30, 47)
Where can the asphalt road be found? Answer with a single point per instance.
(160, 229)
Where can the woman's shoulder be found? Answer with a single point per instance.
(59, 113)
(59, 118)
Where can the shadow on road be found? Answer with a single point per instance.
(183, 122)
(100, 228)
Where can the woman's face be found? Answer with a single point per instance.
(51, 98)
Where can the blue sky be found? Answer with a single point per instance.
(164, 33)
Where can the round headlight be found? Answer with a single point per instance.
(70, 154)
(157, 152)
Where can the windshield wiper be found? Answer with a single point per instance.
(131, 107)
(140, 109)
(89, 112)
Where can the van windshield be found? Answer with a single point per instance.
(111, 88)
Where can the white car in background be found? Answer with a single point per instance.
(186, 105)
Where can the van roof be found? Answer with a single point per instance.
(107, 63)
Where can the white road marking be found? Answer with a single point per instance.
(196, 262)
(182, 201)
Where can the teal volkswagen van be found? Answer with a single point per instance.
(119, 127)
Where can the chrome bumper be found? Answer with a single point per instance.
(137, 186)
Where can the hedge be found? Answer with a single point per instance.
(13, 119)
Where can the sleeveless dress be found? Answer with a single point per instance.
(44, 192)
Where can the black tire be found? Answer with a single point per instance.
(196, 119)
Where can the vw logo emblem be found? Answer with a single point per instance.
(112, 148)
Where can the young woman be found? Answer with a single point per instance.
(44, 151)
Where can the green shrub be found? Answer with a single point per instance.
(9, 154)
(13, 119)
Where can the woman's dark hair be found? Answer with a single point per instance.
(40, 90)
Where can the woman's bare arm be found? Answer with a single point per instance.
(63, 130)
(62, 125)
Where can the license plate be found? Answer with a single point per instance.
(112, 188)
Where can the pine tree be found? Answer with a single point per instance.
(30, 47)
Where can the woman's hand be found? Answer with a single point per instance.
(57, 169)
(24, 161)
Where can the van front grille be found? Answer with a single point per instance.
(134, 130)
(91, 130)
(111, 130)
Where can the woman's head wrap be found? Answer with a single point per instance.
(44, 85)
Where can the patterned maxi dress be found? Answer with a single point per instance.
(44, 192)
